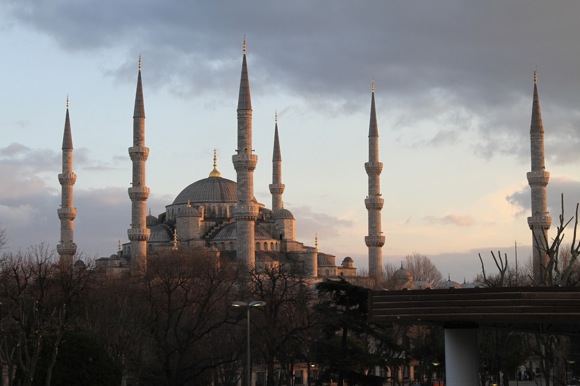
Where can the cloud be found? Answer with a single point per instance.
(310, 223)
(424, 57)
(31, 161)
(557, 186)
(28, 204)
(451, 219)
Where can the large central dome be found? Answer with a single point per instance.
(211, 189)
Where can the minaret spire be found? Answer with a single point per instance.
(540, 220)
(374, 202)
(246, 210)
(276, 187)
(139, 192)
(66, 248)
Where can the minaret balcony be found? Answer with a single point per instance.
(136, 234)
(66, 248)
(138, 193)
(374, 168)
(139, 153)
(538, 177)
(540, 221)
(67, 178)
(277, 188)
(374, 202)
(246, 212)
(375, 241)
(67, 213)
(244, 162)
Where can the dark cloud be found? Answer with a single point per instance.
(451, 219)
(556, 187)
(466, 66)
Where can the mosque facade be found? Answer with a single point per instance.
(217, 215)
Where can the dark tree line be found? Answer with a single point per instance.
(176, 326)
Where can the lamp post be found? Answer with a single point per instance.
(436, 365)
(248, 306)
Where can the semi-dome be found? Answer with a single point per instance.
(211, 189)
(283, 214)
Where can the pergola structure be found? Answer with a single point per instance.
(462, 310)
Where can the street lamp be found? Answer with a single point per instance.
(436, 364)
(248, 306)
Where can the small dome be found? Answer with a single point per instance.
(160, 233)
(151, 220)
(282, 214)
(347, 262)
(79, 264)
(403, 275)
(189, 211)
(211, 189)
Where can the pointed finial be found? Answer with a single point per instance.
(276, 116)
(140, 63)
(448, 277)
(244, 46)
(401, 264)
(536, 76)
(372, 86)
(174, 241)
(316, 240)
(67, 102)
(215, 172)
(119, 246)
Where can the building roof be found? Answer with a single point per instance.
(211, 189)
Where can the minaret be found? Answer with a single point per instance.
(138, 192)
(67, 212)
(538, 178)
(276, 187)
(246, 210)
(374, 202)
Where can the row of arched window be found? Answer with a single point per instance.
(260, 246)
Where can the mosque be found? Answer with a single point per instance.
(217, 215)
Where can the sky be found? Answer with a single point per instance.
(453, 92)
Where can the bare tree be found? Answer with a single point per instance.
(34, 300)
(560, 266)
(286, 318)
(420, 267)
(3, 238)
(423, 269)
(188, 296)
